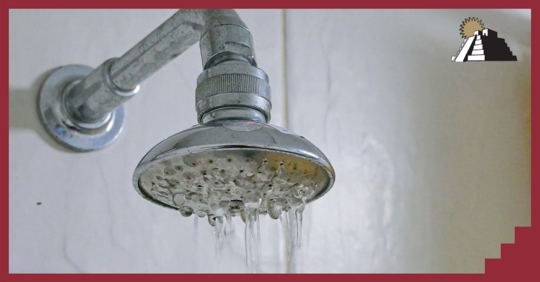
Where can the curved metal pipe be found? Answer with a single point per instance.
(82, 108)
(223, 37)
(172, 38)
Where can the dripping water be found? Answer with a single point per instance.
(286, 201)
(196, 242)
(291, 222)
(283, 218)
(252, 233)
(292, 228)
(219, 232)
(195, 211)
(221, 220)
(229, 228)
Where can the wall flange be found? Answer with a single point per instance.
(56, 119)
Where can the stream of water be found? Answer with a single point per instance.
(291, 223)
(287, 209)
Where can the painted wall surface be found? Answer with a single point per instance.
(432, 157)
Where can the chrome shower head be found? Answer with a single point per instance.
(229, 165)
(233, 161)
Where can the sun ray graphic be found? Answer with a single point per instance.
(469, 26)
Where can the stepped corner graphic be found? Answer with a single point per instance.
(484, 45)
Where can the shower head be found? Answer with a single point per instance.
(234, 162)
(228, 165)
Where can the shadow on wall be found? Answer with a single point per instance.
(23, 111)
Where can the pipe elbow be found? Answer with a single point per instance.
(225, 38)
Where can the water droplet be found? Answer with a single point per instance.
(179, 199)
(274, 211)
(186, 211)
(212, 219)
(243, 215)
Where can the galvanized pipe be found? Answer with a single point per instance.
(166, 42)
(82, 108)
(223, 37)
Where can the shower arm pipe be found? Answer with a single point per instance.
(82, 108)
(222, 34)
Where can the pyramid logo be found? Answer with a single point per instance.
(481, 44)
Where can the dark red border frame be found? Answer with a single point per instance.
(517, 260)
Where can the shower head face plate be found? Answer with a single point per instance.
(225, 166)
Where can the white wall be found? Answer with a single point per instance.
(432, 157)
